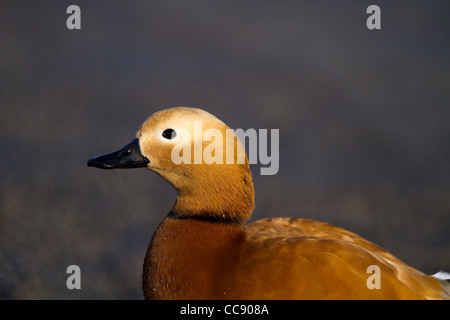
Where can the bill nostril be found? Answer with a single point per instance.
(125, 152)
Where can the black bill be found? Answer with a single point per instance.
(129, 156)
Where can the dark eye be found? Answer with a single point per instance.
(169, 134)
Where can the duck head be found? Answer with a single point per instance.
(199, 156)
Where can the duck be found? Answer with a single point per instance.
(206, 249)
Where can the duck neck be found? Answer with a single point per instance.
(220, 198)
(236, 212)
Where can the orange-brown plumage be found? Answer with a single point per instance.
(205, 250)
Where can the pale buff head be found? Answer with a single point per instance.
(197, 154)
(210, 179)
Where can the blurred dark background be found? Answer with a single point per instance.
(364, 121)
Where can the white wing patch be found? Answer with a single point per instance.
(442, 275)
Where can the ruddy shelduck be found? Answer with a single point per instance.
(204, 249)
